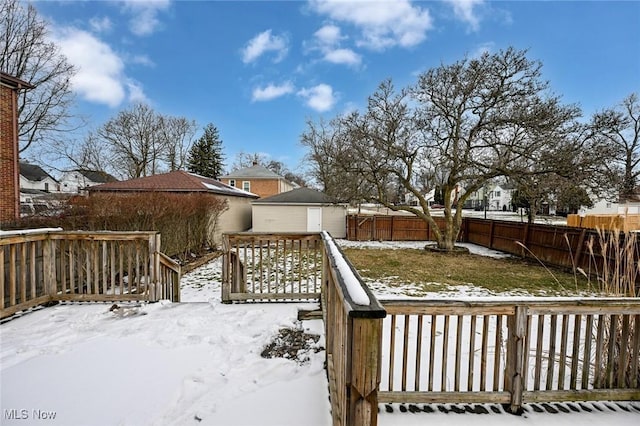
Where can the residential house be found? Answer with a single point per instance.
(411, 200)
(34, 177)
(9, 168)
(39, 191)
(496, 197)
(300, 210)
(258, 180)
(77, 181)
(236, 218)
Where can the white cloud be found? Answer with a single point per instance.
(382, 24)
(320, 98)
(145, 15)
(271, 91)
(482, 49)
(464, 11)
(100, 76)
(142, 60)
(327, 40)
(329, 35)
(136, 93)
(100, 25)
(343, 56)
(262, 43)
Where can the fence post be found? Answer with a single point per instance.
(49, 267)
(226, 290)
(226, 270)
(365, 371)
(514, 374)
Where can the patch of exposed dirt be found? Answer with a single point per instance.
(293, 344)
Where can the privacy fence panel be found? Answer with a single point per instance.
(561, 246)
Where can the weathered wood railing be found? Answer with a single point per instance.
(424, 351)
(353, 326)
(511, 352)
(258, 266)
(40, 267)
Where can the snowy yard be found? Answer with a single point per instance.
(200, 363)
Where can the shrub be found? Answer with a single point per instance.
(186, 221)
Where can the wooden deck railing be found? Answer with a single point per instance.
(266, 266)
(353, 340)
(511, 352)
(424, 351)
(40, 267)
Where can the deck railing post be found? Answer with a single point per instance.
(49, 267)
(365, 366)
(514, 374)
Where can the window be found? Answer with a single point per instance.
(46, 187)
(497, 193)
(232, 182)
(246, 186)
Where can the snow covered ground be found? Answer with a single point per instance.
(198, 363)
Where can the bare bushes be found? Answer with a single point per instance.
(614, 256)
(618, 273)
(186, 221)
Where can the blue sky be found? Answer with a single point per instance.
(259, 69)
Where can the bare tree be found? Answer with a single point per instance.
(619, 127)
(178, 133)
(463, 124)
(26, 53)
(331, 160)
(136, 142)
(245, 159)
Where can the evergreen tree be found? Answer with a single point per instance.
(205, 156)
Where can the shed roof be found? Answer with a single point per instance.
(177, 181)
(298, 196)
(34, 172)
(256, 171)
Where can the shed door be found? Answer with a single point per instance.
(314, 219)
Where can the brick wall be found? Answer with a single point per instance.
(9, 194)
(261, 187)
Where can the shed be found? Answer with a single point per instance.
(300, 210)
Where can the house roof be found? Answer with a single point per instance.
(97, 176)
(178, 181)
(298, 196)
(254, 172)
(14, 82)
(34, 173)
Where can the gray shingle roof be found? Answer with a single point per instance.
(97, 176)
(298, 196)
(253, 172)
(33, 173)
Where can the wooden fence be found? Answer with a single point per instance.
(529, 350)
(389, 228)
(262, 266)
(622, 222)
(41, 267)
(561, 246)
